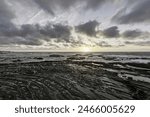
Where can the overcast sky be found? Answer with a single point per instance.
(68, 25)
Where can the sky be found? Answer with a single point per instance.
(75, 25)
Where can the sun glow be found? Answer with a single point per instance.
(85, 49)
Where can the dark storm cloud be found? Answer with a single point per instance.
(136, 34)
(46, 5)
(34, 34)
(51, 5)
(88, 28)
(6, 15)
(56, 31)
(139, 13)
(94, 4)
(4, 40)
(111, 32)
(132, 33)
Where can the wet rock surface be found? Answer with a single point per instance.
(50, 80)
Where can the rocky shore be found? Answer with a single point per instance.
(74, 80)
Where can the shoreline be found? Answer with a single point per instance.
(72, 80)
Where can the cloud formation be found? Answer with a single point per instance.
(138, 13)
(4, 40)
(51, 5)
(88, 28)
(138, 42)
(6, 15)
(132, 33)
(111, 32)
(34, 34)
(62, 34)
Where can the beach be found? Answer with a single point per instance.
(74, 76)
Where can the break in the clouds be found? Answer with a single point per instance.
(74, 23)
